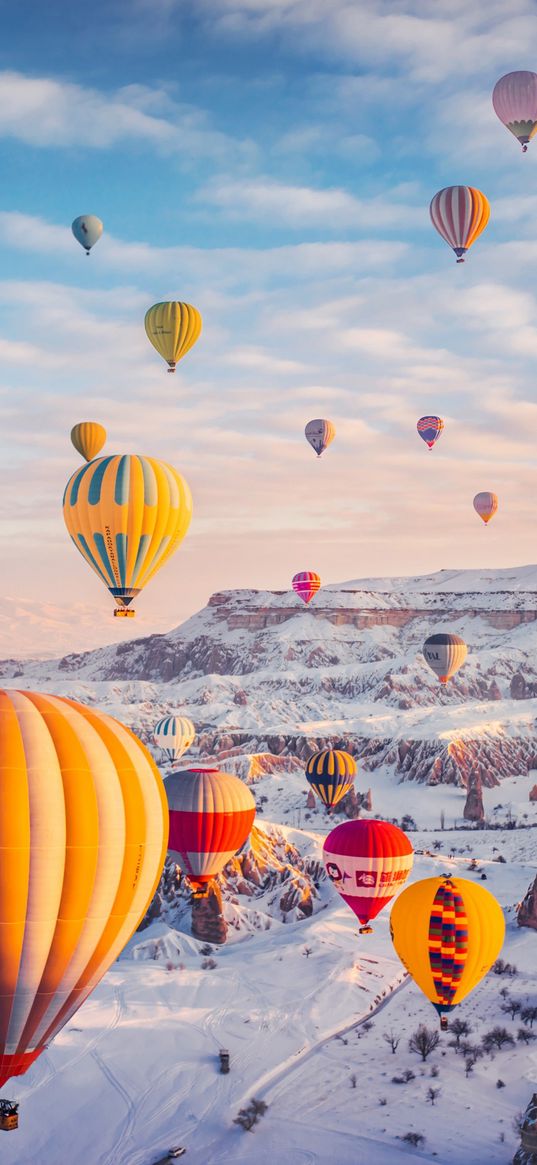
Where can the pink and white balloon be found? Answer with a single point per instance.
(515, 102)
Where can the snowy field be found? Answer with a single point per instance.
(137, 1068)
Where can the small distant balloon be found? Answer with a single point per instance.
(174, 735)
(306, 584)
(331, 773)
(173, 329)
(445, 653)
(515, 102)
(367, 863)
(430, 429)
(459, 214)
(88, 438)
(320, 433)
(485, 504)
(87, 229)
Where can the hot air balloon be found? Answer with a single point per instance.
(367, 862)
(430, 429)
(306, 584)
(211, 815)
(173, 329)
(320, 433)
(127, 515)
(83, 835)
(445, 653)
(88, 438)
(87, 229)
(331, 774)
(460, 214)
(447, 932)
(515, 102)
(174, 735)
(485, 504)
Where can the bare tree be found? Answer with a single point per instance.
(416, 1139)
(528, 1014)
(354, 1080)
(393, 1039)
(511, 1007)
(497, 1038)
(249, 1116)
(525, 1035)
(424, 1041)
(459, 1028)
(433, 1094)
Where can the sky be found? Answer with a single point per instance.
(271, 162)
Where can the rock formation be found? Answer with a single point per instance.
(474, 809)
(527, 911)
(208, 921)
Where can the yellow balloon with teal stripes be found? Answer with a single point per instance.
(127, 515)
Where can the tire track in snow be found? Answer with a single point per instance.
(127, 1098)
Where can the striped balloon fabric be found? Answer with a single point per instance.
(331, 774)
(367, 862)
(485, 504)
(445, 653)
(83, 835)
(319, 434)
(430, 429)
(211, 815)
(306, 584)
(448, 943)
(174, 735)
(127, 515)
(515, 102)
(460, 214)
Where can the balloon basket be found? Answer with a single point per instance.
(9, 1116)
(366, 930)
(124, 613)
(443, 1023)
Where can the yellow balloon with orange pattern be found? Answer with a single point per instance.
(83, 837)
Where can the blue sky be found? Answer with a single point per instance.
(271, 161)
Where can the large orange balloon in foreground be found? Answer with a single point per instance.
(83, 834)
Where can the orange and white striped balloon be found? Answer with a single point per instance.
(83, 836)
(460, 214)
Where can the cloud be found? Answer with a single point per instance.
(48, 113)
(301, 207)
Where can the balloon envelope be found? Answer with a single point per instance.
(485, 504)
(320, 433)
(367, 862)
(211, 815)
(174, 735)
(460, 214)
(127, 515)
(430, 429)
(88, 438)
(331, 774)
(173, 329)
(445, 653)
(306, 584)
(447, 932)
(515, 102)
(83, 834)
(87, 229)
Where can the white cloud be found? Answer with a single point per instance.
(46, 112)
(300, 207)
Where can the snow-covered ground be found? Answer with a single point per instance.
(136, 1070)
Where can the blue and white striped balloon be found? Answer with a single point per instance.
(174, 735)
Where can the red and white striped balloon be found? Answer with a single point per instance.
(306, 584)
(460, 214)
(211, 815)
